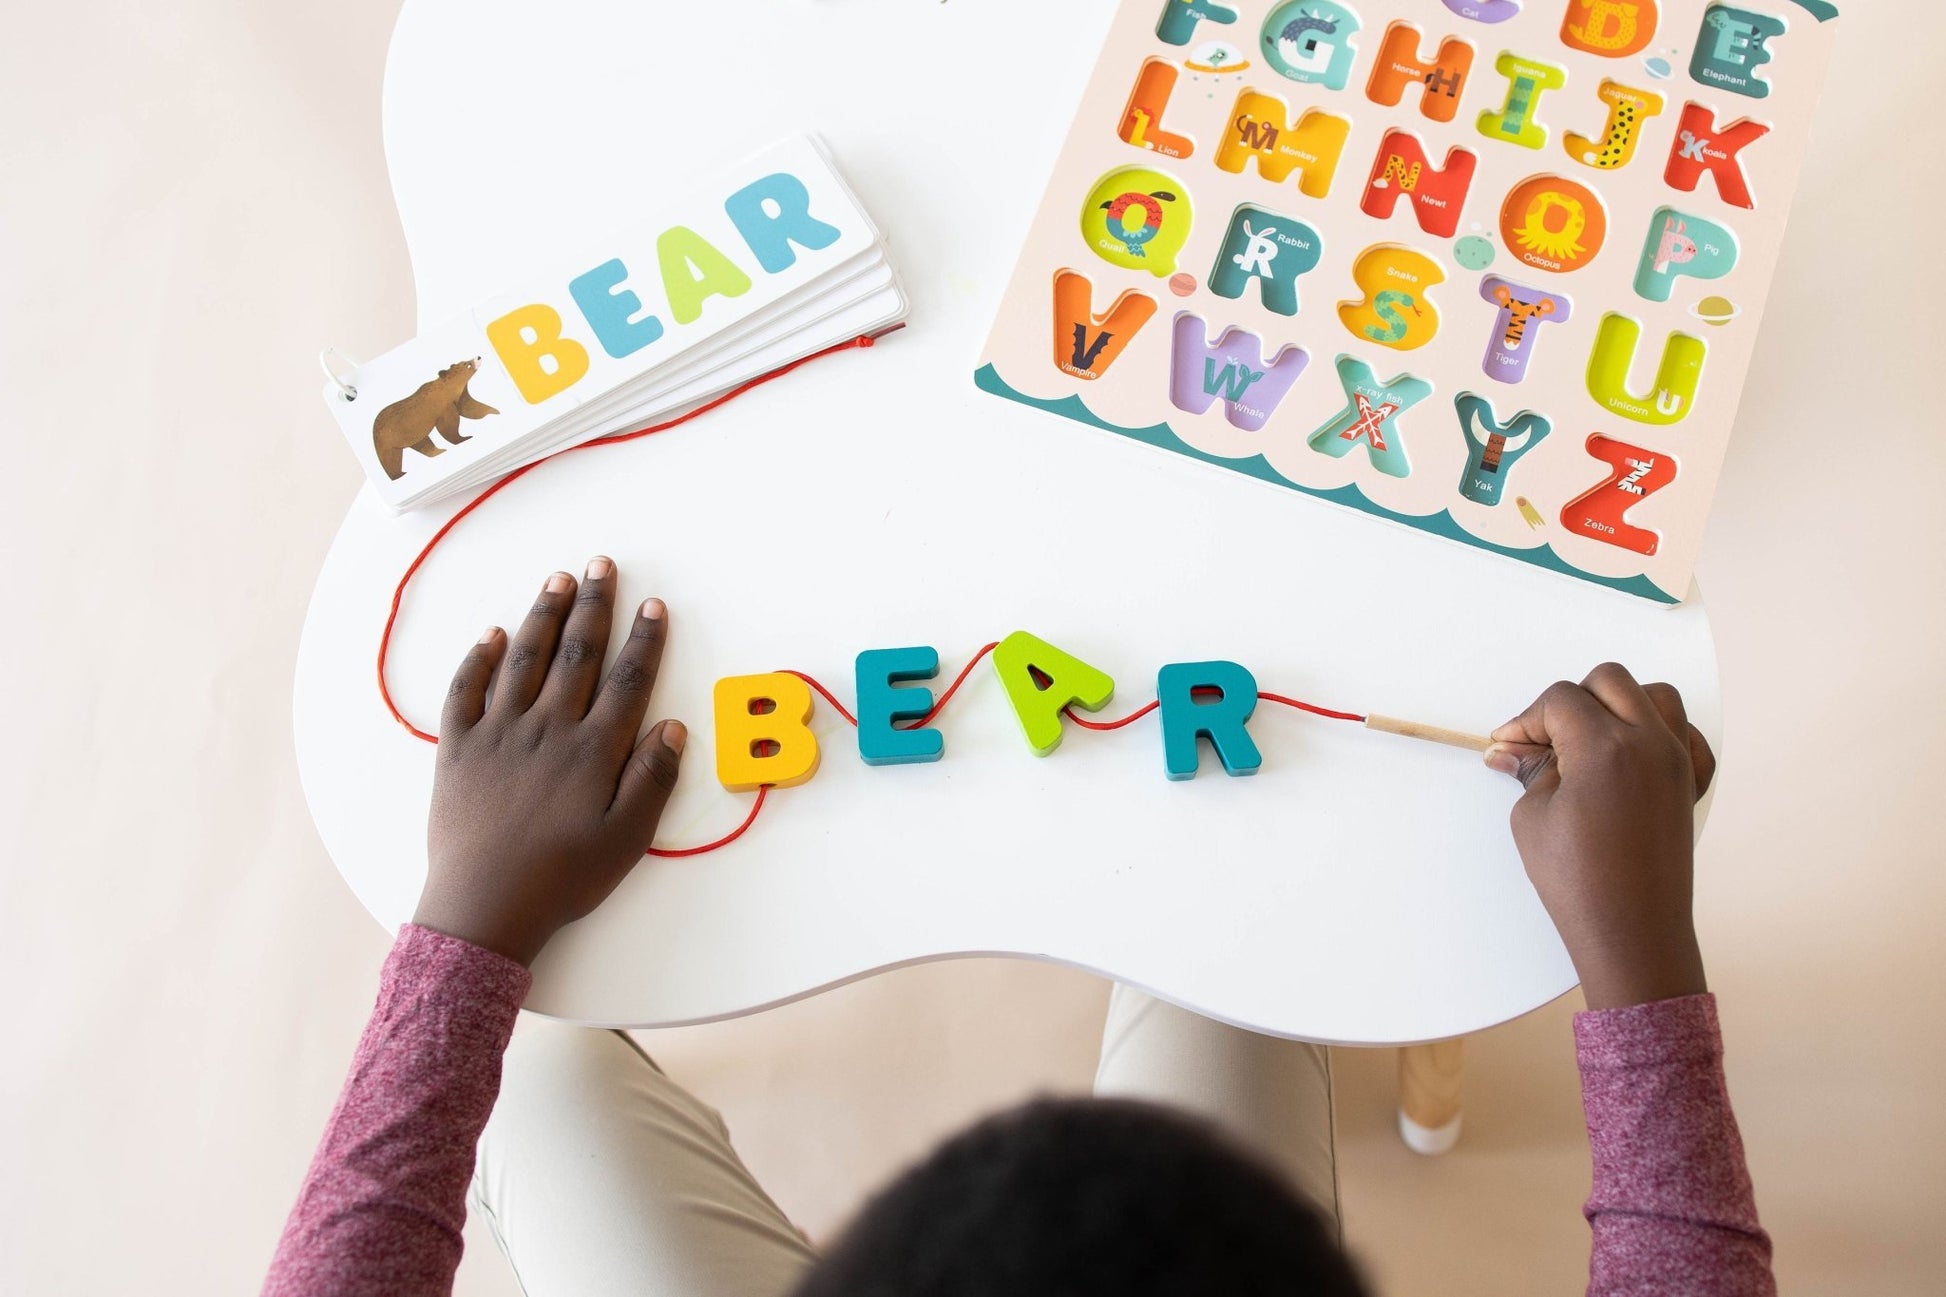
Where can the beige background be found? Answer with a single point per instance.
(194, 200)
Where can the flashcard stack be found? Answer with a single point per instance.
(1492, 269)
(771, 261)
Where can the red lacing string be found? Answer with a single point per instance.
(937, 707)
(1312, 708)
(1129, 719)
(1146, 708)
(613, 439)
(674, 853)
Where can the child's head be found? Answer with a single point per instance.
(1083, 1197)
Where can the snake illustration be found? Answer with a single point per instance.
(1386, 306)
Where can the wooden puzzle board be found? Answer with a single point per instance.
(1421, 258)
(1360, 888)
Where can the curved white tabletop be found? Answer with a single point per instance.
(1361, 889)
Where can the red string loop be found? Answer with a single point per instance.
(826, 694)
(1129, 719)
(613, 439)
(676, 853)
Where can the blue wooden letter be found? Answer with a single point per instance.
(1220, 720)
(880, 704)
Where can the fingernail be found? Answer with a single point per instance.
(559, 583)
(486, 636)
(654, 610)
(1501, 757)
(599, 567)
(675, 736)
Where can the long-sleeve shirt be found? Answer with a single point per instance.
(382, 1205)
(381, 1208)
(1671, 1208)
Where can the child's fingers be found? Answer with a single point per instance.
(1669, 705)
(1703, 760)
(648, 779)
(466, 696)
(1563, 713)
(1613, 686)
(624, 697)
(525, 669)
(1532, 764)
(576, 668)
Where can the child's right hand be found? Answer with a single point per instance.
(543, 798)
(1613, 770)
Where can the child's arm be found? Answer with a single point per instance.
(1612, 771)
(543, 801)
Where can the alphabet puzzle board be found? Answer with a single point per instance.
(1489, 268)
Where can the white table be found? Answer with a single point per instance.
(1361, 889)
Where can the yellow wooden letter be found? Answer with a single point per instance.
(527, 339)
(763, 734)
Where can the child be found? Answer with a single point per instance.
(599, 1175)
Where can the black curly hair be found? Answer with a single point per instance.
(1087, 1198)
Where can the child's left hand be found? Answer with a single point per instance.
(543, 800)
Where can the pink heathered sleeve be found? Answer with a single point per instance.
(381, 1208)
(1672, 1208)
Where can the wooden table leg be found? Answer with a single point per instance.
(1430, 1078)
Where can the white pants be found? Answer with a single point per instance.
(598, 1174)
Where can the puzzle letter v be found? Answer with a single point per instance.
(1086, 344)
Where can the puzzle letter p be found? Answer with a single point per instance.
(1680, 244)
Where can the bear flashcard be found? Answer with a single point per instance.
(733, 276)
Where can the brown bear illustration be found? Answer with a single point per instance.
(441, 404)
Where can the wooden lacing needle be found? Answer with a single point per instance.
(1428, 733)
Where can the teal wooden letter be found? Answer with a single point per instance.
(1220, 720)
(880, 704)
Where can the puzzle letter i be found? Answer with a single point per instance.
(1516, 120)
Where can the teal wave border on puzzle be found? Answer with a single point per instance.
(1161, 435)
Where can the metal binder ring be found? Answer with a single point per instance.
(325, 357)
